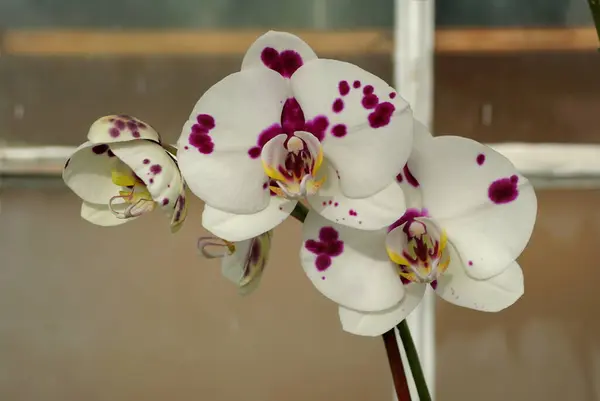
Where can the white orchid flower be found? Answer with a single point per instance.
(242, 262)
(470, 216)
(289, 126)
(122, 172)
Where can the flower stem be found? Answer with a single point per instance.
(300, 212)
(413, 361)
(396, 366)
(595, 9)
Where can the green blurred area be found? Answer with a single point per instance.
(280, 14)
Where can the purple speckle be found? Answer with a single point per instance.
(470, 263)
(368, 90)
(141, 125)
(151, 180)
(399, 177)
(265, 185)
(323, 262)
(330, 202)
(322, 277)
(146, 161)
(392, 95)
(114, 132)
(410, 178)
(135, 134)
(343, 88)
(338, 105)
(165, 201)
(339, 130)
(480, 159)
(199, 137)
(120, 124)
(381, 116)
(352, 212)
(254, 152)
(100, 149)
(328, 234)
(132, 125)
(356, 84)
(370, 101)
(155, 169)
(327, 247)
(404, 280)
(285, 63)
(336, 204)
(504, 190)
(434, 284)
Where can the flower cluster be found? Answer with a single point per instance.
(393, 209)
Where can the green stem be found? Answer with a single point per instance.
(300, 212)
(413, 361)
(595, 9)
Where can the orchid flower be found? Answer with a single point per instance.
(470, 215)
(290, 126)
(242, 262)
(122, 172)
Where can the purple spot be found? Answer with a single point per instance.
(199, 129)
(434, 284)
(323, 262)
(206, 121)
(132, 125)
(392, 95)
(155, 169)
(114, 132)
(120, 124)
(404, 280)
(285, 63)
(356, 84)
(409, 177)
(186, 147)
(146, 161)
(100, 149)
(254, 152)
(368, 89)
(399, 177)
(470, 263)
(504, 190)
(330, 202)
(324, 203)
(338, 105)
(135, 134)
(370, 101)
(381, 116)
(409, 215)
(165, 201)
(339, 130)
(344, 88)
(322, 277)
(265, 185)
(327, 234)
(151, 180)
(317, 126)
(141, 125)
(352, 213)
(480, 159)
(336, 204)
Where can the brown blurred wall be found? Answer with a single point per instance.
(133, 313)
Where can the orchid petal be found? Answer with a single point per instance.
(214, 147)
(121, 128)
(369, 134)
(376, 323)
(372, 213)
(279, 51)
(240, 227)
(490, 295)
(349, 266)
(478, 197)
(101, 215)
(88, 173)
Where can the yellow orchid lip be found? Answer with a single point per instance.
(424, 257)
(295, 172)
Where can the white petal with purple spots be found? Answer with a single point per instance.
(369, 128)
(279, 51)
(88, 173)
(214, 144)
(349, 266)
(376, 323)
(239, 227)
(120, 128)
(372, 213)
(491, 295)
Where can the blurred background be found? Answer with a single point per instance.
(133, 313)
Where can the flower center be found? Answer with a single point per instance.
(134, 199)
(292, 164)
(419, 249)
